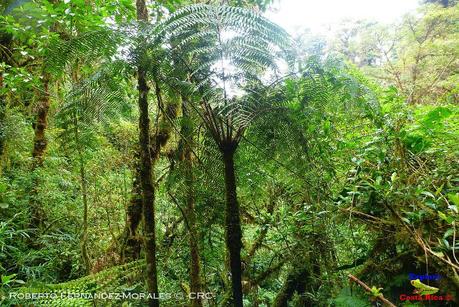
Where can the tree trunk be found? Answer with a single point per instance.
(295, 281)
(233, 225)
(130, 243)
(84, 188)
(39, 147)
(84, 185)
(195, 266)
(40, 143)
(84, 239)
(148, 192)
(5, 42)
(2, 121)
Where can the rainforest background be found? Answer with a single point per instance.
(179, 147)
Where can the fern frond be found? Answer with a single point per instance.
(97, 97)
(109, 280)
(90, 45)
(224, 49)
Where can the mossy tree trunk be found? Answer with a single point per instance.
(291, 284)
(148, 192)
(130, 248)
(5, 41)
(195, 265)
(84, 189)
(40, 144)
(146, 168)
(2, 122)
(302, 277)
(130, 242)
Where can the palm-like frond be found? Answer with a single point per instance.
(88, 46)
(96, 97)
(225, 51)
(222, 57)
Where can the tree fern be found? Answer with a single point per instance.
(239, 50)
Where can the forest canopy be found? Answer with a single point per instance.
(195, 153)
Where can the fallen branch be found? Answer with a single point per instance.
(364, 216)
(368, 289)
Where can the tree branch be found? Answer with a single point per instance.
(368, 289)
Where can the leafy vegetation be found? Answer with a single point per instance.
(190, 153)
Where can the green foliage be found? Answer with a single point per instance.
(375, 291)
(82, 291)
(418, 56)
(344, 165)
(346, 299)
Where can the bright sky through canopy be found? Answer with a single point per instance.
(316, 14)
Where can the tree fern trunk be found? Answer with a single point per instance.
(195, 266)
(84, 239)
(233, 227)
(84, 188)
